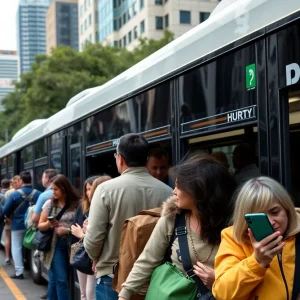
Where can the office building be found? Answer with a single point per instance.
(62, 24)
(8, 72)
(88, 22)
(31, 31)
(121, 23)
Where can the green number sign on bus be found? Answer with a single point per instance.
(251, 76)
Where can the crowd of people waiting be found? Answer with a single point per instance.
(206, 208)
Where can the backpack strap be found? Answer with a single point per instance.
(31, 195)
(25, 198)
(296, 287)
(181, 233)
(21, 192)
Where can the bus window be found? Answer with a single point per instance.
(211, 90)
(27, 154)
(104, 163)
(159, 161)
(4, 168)
(40, 149)
(56, 145)
(38, 174)
(56, 161)
(146, 111)
(75, 133)
(237, 150)
(75, 159)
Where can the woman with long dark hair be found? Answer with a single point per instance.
(56, 260)
(86, 282)
(203, 191)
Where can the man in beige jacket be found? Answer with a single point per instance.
(116, 200)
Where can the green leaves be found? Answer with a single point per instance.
(55, 79)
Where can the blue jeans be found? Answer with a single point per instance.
(17, 237)
(58, 287)
(103, 289)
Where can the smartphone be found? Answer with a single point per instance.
(50, 218)
(260, 225)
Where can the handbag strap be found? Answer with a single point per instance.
(181, 233)
(172, 239)
(60, 214)
(296, 287)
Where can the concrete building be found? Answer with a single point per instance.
(31, 31)
(62, 24)
(8, 72)
(122, 23)
(88, 22)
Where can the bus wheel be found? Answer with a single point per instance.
(36, 268)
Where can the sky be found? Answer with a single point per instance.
(8, 11)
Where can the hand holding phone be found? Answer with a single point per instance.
(53, 221)
(260, 225)
(264, 240)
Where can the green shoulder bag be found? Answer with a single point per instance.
(168, 283)
(28, 238)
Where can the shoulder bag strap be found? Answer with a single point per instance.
(296, 288)
(172, 239)
(60, 214)
(181, 232)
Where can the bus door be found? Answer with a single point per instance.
(288, 99)
(75, 154)
(294, 129)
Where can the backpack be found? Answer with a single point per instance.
(134, 237)
(28, 217)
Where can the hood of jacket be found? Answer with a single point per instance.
(170, 208)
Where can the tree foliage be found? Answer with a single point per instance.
(55, 79)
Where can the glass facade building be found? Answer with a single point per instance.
(113, 14)
(31, 28)
(8, 72)
(67, 24)
(106, 18)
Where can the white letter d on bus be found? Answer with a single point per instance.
(292, 69)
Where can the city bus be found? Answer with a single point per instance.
(233, 79)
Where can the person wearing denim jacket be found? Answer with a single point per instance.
(15, 208)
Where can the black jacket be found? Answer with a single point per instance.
(79, 219)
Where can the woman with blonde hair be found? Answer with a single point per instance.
(86, 282)
(248, 269)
